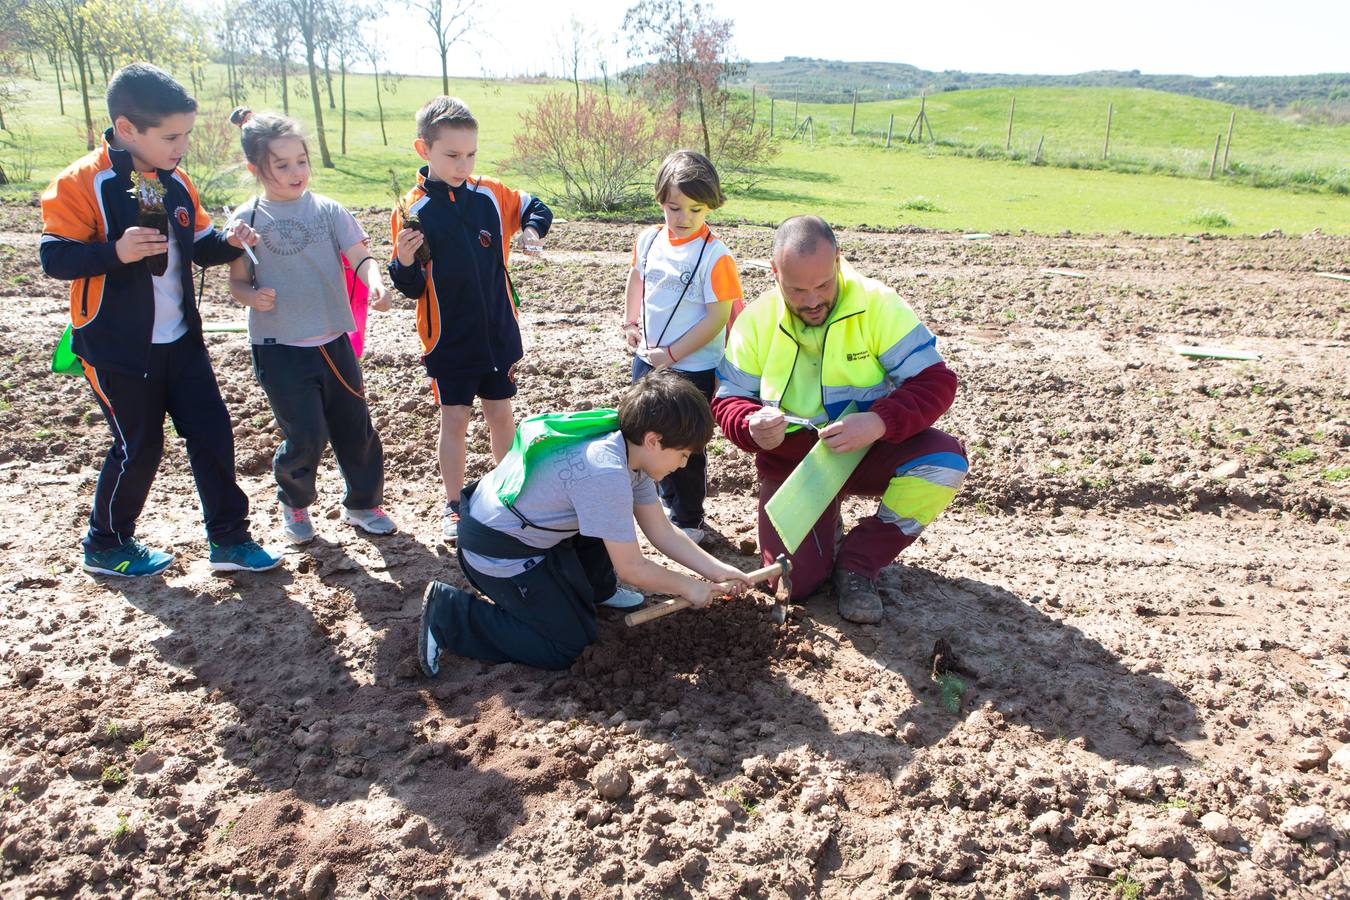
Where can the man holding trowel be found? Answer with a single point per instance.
(830, 357)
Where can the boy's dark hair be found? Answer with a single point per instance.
(692, 174)
(663, 402)
(259, 130)
(146, 95)
(443, 112)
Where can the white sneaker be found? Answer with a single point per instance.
(450, 522)
(623, 599)
(296, 525)
(371, 521)
(695, 534)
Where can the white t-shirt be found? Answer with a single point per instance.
(170, 323)
(666, 266)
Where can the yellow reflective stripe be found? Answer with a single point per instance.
(914, 498)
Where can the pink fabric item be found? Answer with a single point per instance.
(359, 297)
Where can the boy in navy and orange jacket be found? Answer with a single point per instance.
(135, 327)
(452, 237)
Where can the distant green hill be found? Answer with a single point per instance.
(831, 81)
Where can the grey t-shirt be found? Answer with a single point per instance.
(300, 257)
(585, 488)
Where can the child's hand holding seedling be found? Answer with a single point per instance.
(408, 242)
(139, 242)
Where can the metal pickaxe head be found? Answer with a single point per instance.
(782, 595)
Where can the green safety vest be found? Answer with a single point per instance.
(539, 436)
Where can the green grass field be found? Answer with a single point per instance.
(1149, 130)
(851, 181)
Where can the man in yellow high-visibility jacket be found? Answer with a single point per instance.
(822, 338)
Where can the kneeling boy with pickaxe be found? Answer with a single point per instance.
(548, 534)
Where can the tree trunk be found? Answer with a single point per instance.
(285, 94)
(445, 75)
(328, 76)
(32, 64)
(325, 157)
(703, 120)
(229, 72)
(60, 95)
(81, 62)
(379, 104)
(343, 81)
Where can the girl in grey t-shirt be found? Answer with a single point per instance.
(299, 317)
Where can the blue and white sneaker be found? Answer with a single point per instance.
(623, 599)
(428, 648)
(131, 560)
(245, 556)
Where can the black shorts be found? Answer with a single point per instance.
(461, 391)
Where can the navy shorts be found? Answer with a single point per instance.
(461, 391)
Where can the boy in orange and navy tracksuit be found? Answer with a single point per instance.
(450, 255)
(137, 331)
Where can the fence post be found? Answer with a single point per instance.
(1106, 148)
(890, 126)
(771, 102)
(1039, 145)
(752, 107)
(796, 100)
(1007, 144)
(1228, 143)
(853, 121)
(1214, 160)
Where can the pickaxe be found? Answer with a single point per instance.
(780, 569)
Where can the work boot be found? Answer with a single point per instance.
(857, 595)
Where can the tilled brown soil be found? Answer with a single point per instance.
(1144, 579)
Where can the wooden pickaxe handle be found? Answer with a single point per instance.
(679, 603)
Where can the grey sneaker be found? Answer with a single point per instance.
(296, 525)
(371, 521)
(450, 523)
(858, 598)
(623, 599)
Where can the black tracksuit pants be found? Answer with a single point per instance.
(316, 396)
(181, 383)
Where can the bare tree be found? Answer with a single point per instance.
(573, 46)
(63, 24)
(450, 20)
(311, 17)
(384, 82)
(688, 54)
(275, 19)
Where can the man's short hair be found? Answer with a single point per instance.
(443, 112)
(801, 235)
(146, 95)
(668, 404)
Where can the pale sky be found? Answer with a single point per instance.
(1238, 37)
